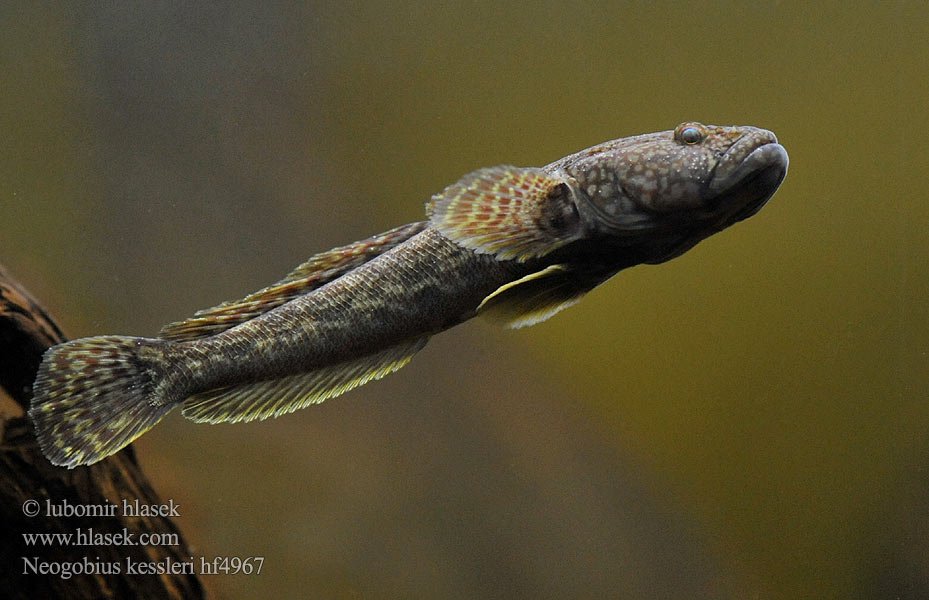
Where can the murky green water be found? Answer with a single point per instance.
(749, 420)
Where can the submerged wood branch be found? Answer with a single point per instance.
(26, 331)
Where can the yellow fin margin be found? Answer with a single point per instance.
(276, 397)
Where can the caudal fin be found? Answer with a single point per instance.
(94, 396)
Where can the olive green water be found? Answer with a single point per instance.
(749, 420)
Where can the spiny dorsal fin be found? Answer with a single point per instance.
(535, 297)
(511, 212)
(277, 397)
(315, 272)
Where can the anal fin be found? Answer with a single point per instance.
(276, 397)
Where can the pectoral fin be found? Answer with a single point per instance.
(315, 272)
(535, 297)
(513, 213)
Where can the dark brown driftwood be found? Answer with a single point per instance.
(26, 331)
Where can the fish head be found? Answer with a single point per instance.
(664, 192)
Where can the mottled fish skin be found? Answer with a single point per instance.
(392, 299)
(515, 244)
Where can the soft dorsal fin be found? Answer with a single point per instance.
(315, 272)
(511, 212)
(276, 397)
(536, 297)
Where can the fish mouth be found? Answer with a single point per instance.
(747, 176)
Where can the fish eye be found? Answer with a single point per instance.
(691, 135)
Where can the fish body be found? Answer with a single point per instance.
(515, 244)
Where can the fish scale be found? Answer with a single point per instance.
(515, 244)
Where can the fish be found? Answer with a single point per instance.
(513, 244)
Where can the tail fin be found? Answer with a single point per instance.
(94, 396)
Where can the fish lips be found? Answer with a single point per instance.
(747, 176)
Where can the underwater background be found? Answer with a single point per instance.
(749, 420)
